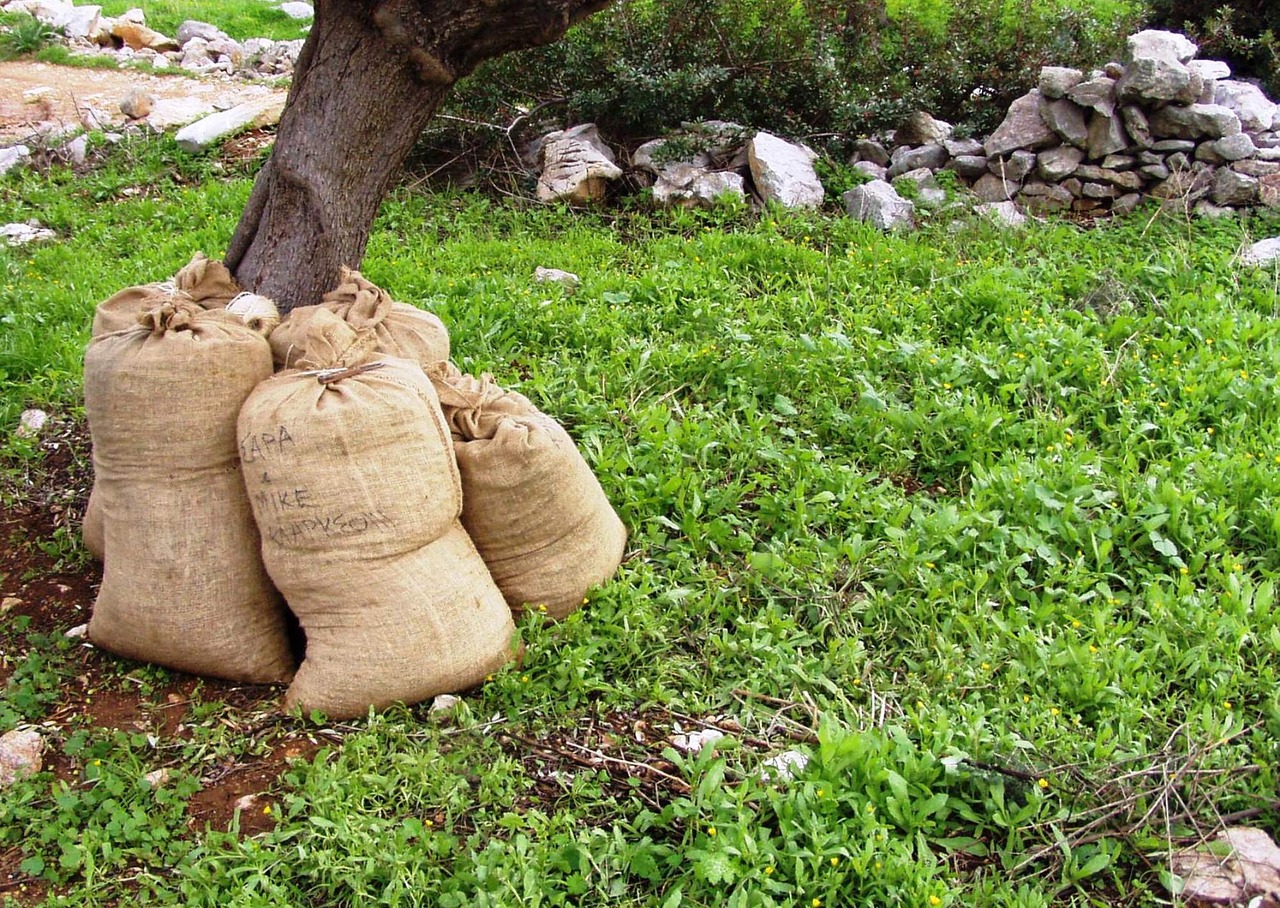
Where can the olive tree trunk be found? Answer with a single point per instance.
(369, 78)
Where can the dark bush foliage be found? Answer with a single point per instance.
(824, 70)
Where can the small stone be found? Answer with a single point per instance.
(78, 632)
(871, 169)
(247, 802)
(878, 203)
(1005, 213)
(1157, 79)
(1106, 135)
(76, 151)
(871, 150)
(21, 753)
(784, 767)
(1256, 168)
(990, 188)
(1178, 161)
(1046, 195)
(443, 704)
(1022, 128)
(695, 741)
(1154, 171)
(1098, 94)
(136, 104)
(1235, 148)
(1194, 121)
(31, 422)
(1247, 874)
(8, 603)
(1099, 191)
(1126, 204)
(1232, 189)
(1136, 125)
(1263, 252)
(566, 279)
(906, 158)
(1067, 120)
(1246, 100)
(783, 172)
(193, 28)
(298, 10)
(1119, 162)
(20, 235)
(1156, 44)
(958, 147)
(158, 778)
(1210, 70)
(1206, 209)
(1167, 146)
(968, 166)
(919, 128)
(1073, 186)
(1056, 81)
(12, 156)
(1113, 70)
(1015, 168)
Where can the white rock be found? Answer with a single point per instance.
(1152, 44)
(1263, 252)
(252, 114)
(1210, 70)
(298, 10)
(248, 802)
(695, 741)
(158, 778)
(878, 203)
(444, 703)
(21, 752)
(79, 632)
(31, 422)
(8, 603)
(83, 22)
(576, 166)
(12, 156)
(1255, 111)
(1005, 213)
(193, 28)
(566, 279)
(135, 15)
(784, 767)
(688, 184)
(784, 172)
(1022, 127)
(169, 112)
(20, 235)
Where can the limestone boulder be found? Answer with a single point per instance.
(204, 133)
(783, 172)
(21, 753)
(904, 159)
(1195, 121)
(919, 128)
(1067, 120)
(878, 203)
(1056, 81)
(1022, 128)
(577, 166)
(1153, 43)
(1255, 110)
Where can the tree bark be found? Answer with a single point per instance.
(369, 78)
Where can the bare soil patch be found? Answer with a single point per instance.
(34, 96)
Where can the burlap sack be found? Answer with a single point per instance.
(401, 330)
(356, 493)
(531, 504)
(202, 281)
(183, 582)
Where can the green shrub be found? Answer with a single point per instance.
(23, 35)
(812, 69)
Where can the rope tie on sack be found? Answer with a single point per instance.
(259, 313)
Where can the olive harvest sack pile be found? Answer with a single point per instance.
(183, 581)
(351, 473)
(400, 330)
(531, 504)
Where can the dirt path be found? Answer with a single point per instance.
(37, 98)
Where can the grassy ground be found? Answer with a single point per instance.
(238, 18)
(983, 522)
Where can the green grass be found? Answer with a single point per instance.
(240, 19)
(992, 513)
